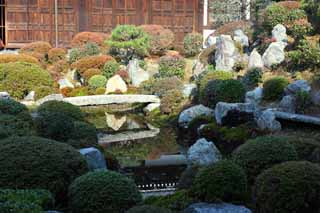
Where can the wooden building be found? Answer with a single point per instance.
(57, 21)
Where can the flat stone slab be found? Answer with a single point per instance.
(95, 100)
(297, 118)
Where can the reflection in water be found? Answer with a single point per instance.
(115, 122)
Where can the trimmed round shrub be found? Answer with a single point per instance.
(33, 162)
(90, 49)
(41, 92)
(57, 54)
(171, 101)
(97, 81)
(289, 187)
(262, 153)
(19, 78)
(62, 107)
(54, 125)
(252, 78)
(161, 39)
(7, 58)
(307, 148)
(91, 72)
(128, 42)
(103, 191)
(222, 182)
(170, 66)
(96, 61)
(148, 209)
(100, 91)
(12, 107)
(84, 135)
(211, 75)
(192, 44)
(110, 68)
(230, 91)
(230, 27)
(273, 88)
(38, 47)
(82, 38)
(160, 86)
(19, 125)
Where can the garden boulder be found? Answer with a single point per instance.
(255, 60)
(222, 109)
(189, 90)
(241, 37)
(4, 95)
(65, 83)
(267, 121)
(94, 158)
(279, 33)
(315, 98)
(116, 85)
(189, 114)
(296, 86)
(227, 53)
(216, 208)
(136, 73)
(254, 96)
(203, 153)
(288, 104)
(274, 55)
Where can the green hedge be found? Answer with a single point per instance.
(103, 191)
(289, 187)
(33, 162)
(273, 88)
(20, 125)
(12, 107)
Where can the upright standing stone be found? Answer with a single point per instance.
(136, 73)
(279, 33)
(94, 158)
(274, 55)
(226, 53)
(255, 60)
(116, 84)
(240, 37)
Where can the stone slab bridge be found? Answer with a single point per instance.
(96, 100)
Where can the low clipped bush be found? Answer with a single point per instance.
(90, 49)
(252, 78)
(12, 107)
(229, 28)
(97, 81)
(7, 58)
(224, 181)
(103, 191)
(307, 148)
(262, 153)
(171, 101)
(288, 187)
(160, 86)
(303, 101)
(62, 107)
(79, 91)
(290, 5)
(84, 135)
(273, 88)
(161, 39)
(54, 125)
(176, 202)
(19, 125)
(33, 162)
(91, 72)
(187, 177)
(128, 42)
(57, 54)
(230, 91)
(148, 209)
(110, 68)
(100, 91)
(41, 47)
(192, 44)
(211, 75)
(25, 200)
(170, 66)
(41, 92)
(96, 61)
(82, 38)
(196, 123)
(19, 78)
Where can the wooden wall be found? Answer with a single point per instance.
(34, 20)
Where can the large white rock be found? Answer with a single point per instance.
(241, 37)
(94, 158)
(267, 121)
(279, 33)
(65, 83)
(255, 60)
(254, 96)
(189, 90)
(216, 208)
(30, 96)
(288, 104)
(226, 53)
(116, 84)
(223, 108)
(189, 114)
(295, 87)
(203, 153)
(4, 95)
(151, 107)
(274, 55)
(136, 73)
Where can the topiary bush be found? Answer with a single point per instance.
(57, 54)
(170, 66)
(90, 192)
(97, 81)
(148, 209)
(84, 135)
(12, 107)
(128, 42)
(192, 44)
(19, 78)
(223, 181)
(82, 38)
(230, 91)
(273, 88)
(91, 72)
(41, 92)
(38, 49)
(307, 148)
(262, 153)
(62, 107)
(33, 162)
(96, 61)
(171, 101)
(160, 86)
(19, 125)
(208, 76)
(252, 78)
(110, 68)
(54, 125)
(288, 187)
(161, 39)
(7, 58)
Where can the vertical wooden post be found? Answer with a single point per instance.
(56, 22)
